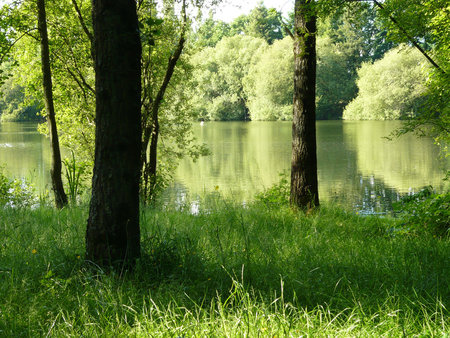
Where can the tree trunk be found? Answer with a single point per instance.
(304, 185)
(113, 234)
(151, 126)
(55, 171)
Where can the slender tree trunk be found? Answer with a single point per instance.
(55, 171)
(151, 128)
(113, 234)
(304, 185)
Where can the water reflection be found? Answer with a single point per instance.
(25, 153)
(357, 166)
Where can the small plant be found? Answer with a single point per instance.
(278, 194)
(74, 172)
(426, 211)
(16, 193)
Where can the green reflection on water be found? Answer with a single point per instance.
(25, 153)
(357, 166)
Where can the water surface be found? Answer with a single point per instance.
(357, 166)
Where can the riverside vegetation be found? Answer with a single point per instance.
(228, 270)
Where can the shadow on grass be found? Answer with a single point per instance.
(232, 258)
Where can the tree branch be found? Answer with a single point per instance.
(17, 40)
(409, 37)
(83, 24)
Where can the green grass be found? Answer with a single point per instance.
(231, 271)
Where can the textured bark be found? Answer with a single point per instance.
(304, 185)
(55, 171)
(113, 235)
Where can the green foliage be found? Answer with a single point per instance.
(75, 174)
(390, 88)
(14, 105)
(217, 89)
(427, 212)
(210, 32)
(347, 38)
(335, 80)
(74, 78)
(162, 33)
(269, 84)
(427, 21)
(16, 193)
(72, 69)
(277, 195)
(261, 22)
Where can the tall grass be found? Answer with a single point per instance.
(227, 271)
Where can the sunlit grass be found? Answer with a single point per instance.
(227, 271)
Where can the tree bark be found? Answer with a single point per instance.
(55, 171)
(304, 184)
(113, 234)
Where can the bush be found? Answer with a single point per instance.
(426, 212)
(391, 88)
(278, 194)
(16, 193)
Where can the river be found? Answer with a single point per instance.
(357, 166)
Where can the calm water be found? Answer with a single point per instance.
(25, 153)
(357, 166)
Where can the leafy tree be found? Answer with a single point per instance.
(217, 88)
(71, 64)
(14, 105)
(349, 36)
(425, 23)
(268, 83)
(335, 79)
(341, 48)
(112, 234)
(261, 22)
(165, 114)
(390, 88)
(210, 32)
(70, 31)
(264, 23)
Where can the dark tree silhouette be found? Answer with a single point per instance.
(55, 171)
(113, 235)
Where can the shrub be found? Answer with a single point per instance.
(16, 192)
(278, 194)
(426, 211)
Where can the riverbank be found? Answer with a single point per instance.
(230, 271)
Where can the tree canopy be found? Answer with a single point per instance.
(391, 88)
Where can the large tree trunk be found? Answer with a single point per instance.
(55, 171)
(113, 235)
(304, 185)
